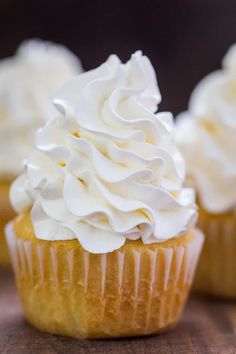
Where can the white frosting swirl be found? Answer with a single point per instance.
(108, 170)
(28, 83)
(206, 135)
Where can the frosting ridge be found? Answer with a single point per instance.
(28, 83)
(107, 169)
(206, 136)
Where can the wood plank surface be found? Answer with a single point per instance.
(207, 326)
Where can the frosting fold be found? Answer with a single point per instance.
(107, 169)
(206, 135)
(28, 83)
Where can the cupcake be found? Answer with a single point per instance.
(105, 243)
(206, 135)
(28, 81)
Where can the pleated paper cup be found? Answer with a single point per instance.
(6, 214)
(4, 254)
(216, 273)
(136, 290)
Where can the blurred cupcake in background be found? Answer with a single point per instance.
(105, 243)
(28, 82)
(206, 135)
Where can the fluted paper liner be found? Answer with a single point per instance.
(6, 214)
(4, 254)
(127, 292)
(216, 273)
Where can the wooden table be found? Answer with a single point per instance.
(207, 326)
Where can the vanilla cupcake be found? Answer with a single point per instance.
(28, 81)
(206, 135)
(105, 244)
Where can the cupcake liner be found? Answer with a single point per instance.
(132, 291)
(216, 272)
(6, 214)
(4, 254)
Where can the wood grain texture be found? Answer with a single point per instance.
(207, 326)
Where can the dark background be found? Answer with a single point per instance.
(185, 39)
